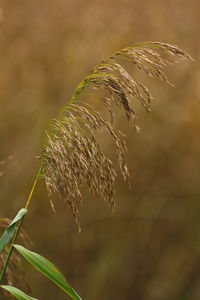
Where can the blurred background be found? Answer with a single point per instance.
(150, 248)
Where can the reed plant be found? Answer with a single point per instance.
(72, 156)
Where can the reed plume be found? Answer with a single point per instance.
(72, 156)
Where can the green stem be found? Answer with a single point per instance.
(3, 271)
(33, 188)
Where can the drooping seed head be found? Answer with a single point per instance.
(72, 156)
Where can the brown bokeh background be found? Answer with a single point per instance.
(150, 248)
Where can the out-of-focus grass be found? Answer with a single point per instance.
(150, 248)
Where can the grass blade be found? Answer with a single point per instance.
(17, 293)
(49, 270)
(9, 232)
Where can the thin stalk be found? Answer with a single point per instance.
(33, 188)
(19, 226)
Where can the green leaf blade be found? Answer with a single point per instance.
(49, 270)
(10, 230)
(17, 293)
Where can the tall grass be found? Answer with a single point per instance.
(72, 156)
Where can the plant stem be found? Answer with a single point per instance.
(33, 188)
(3, 271)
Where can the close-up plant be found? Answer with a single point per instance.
(72, 157)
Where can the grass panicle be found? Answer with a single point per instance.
(72, 156)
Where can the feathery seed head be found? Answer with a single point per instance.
(72, 156)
